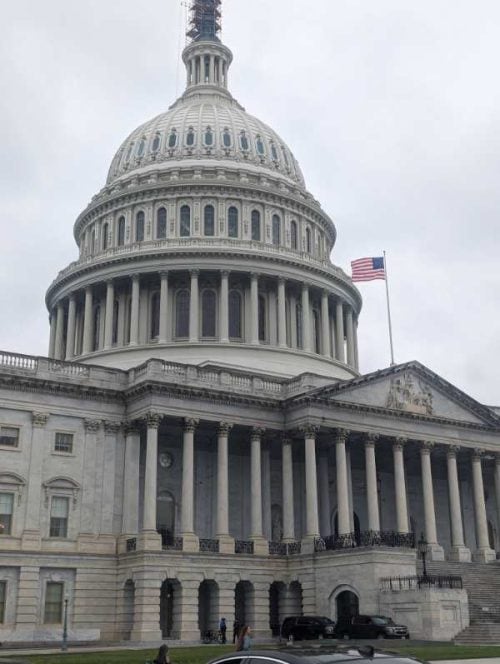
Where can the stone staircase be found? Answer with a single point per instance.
(482, 582)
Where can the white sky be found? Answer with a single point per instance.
(391, 107)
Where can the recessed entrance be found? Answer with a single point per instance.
(347, 605)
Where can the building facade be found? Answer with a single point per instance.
(199, 441)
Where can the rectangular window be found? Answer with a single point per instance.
(53, 603)
(6, 510)
(59, 517)
(64, 442)
(3, 600)
(9, 436)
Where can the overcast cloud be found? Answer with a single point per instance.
(391, 107)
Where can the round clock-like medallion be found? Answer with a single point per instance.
(166, 460)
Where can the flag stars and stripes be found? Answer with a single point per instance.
(368, 269)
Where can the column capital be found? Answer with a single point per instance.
(309, 430)
(224, 274)
(110, 282)
(190, 424)
(164, 274)
(341, 435)
(372, 437)
(452, 451)
(130, 427)
(477, 453)
(194, 273)
(306, 285)
(399, 442)
(224, 428)
(257, 433)
(254, 276)
(72, 297)
(426, 447)
(153, 420)
(282, 280)
(286, 439)
(39, 419)
(92, 426)
(111, 427)
(136, 277)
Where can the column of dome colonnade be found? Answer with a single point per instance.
(314, 440)
(283, 313)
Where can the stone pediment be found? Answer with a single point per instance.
(412, 389)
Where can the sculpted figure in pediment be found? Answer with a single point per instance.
(405, 395)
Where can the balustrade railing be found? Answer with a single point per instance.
(17, 361)
(368, 538)
(173, 544)
(209, 546)
(421, 582)
(284, 548)
(243, 546)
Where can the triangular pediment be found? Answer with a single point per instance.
(412, 389)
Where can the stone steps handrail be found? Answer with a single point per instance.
(421, 582)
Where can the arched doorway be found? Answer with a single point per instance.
(128, 609)
(168, 598)
(347, 605)
(276, 594)
(165, 517)
(208, 607)
(244, 603)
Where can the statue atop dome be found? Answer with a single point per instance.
(205, 22)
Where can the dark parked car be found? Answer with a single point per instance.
(370, 627)
(307, 627)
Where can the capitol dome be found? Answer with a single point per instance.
(204, 247)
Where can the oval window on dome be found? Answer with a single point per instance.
(245, 145)
(172, 139)
(156, 143)
(209, 137)
(226, 138)
(259, 143)
(190, 138)
(141, 147)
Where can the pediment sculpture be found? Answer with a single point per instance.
(410, 394)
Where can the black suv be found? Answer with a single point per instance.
(307, 627)
(370, 627)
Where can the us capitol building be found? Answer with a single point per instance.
(199, 441)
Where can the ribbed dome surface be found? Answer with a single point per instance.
(205, 127)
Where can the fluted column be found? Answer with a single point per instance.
(150, 537)
(254, 308)
(59, 349)
(134, 311)
(70, 334)
(287, 491)
(435, 551)
(163, 331)
(108, 321)
(371, 483)
(130, 519)
(344, 521)
(256, 484)
(351, 360)
(325, 324)
(339, 331)
(483, 552)
(282, 313)
(400, 486)
(88, 321)
(52, 339)
(458, 550)
(222, 519)
(224, 307)
(312, 516)
(306, 319)
(190, 540)
(194, 304)
(31, 538)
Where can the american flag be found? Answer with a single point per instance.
(368, 269)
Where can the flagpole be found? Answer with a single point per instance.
(389, 310)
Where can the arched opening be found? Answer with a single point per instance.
(121, 231)
(256, 226)
(105, 234)
(235, 315)
(308, 240)
(293, 600)
(161, 224)
(293, 234)
(244, 603)
(128, 609)
(276, 237)
(169, 608)
(347, 605)
(209, 221)
(277, 591)
(208, 314)
(208, 607)
(139, 227)
(182, 314)
(165, 517)
(232, 222)
(185, 223)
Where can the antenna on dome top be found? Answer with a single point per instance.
(205, 20)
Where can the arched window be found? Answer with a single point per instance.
(185, 226)
(285, 156)
(92, 240)
(298, 317)
(276, 229)
(209, 137)
(232, 222)
(155, 146)
(182, 314)
(256, 225)
(293, 234)
(97, 327)
(139, 227)
(244, 144)
(105, 235)
(274, 152)
(208, 314)
(316, 332)
(121, 231)
(235, 319)
(226, 138)
(129, 152)
(308, 240)
(262, 318)
(161, 224)
(259, 143)
(172, 139)
(190, 137)
(141, 147)
(209, 221)
(155, 316)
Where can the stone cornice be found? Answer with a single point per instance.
(36, 385)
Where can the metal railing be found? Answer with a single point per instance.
(368, 538)
(421, 582)
(243, 546)
(284, 548)
(209, 546)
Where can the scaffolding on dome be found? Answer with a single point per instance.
(205, 20)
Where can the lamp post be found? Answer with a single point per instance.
(422, 552)
(64, 646)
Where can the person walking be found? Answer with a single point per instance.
(245, 639)
(222, 630)
(236, 629)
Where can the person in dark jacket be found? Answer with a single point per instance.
(222, 630)
(162, 657)
(236, 629)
